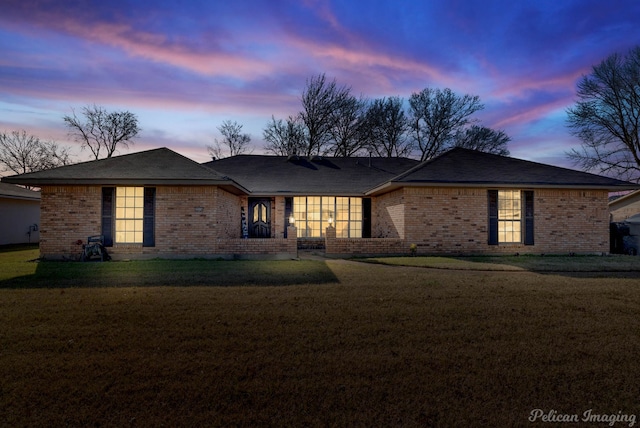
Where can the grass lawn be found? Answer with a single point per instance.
(312, 343)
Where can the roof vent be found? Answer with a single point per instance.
(316, 158)
(293, 158)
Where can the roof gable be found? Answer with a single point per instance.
(464, 167)
(158, 166)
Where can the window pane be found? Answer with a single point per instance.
(129, 214)
(312, 214)
(509, 216)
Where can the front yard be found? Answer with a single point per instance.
(313, 343)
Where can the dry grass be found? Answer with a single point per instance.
(370, 345)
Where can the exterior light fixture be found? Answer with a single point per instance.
(330, 220)
(292, 219)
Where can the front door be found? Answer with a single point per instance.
(259, 218)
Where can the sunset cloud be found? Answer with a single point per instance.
(184, 68)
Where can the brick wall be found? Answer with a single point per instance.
(571, 221)
(205, 220)
(280, 247)
(68, 214)
(228, 215)
(455, 221)
(278, 222)
(387, 215)
(189, 221)
(445, 220)
(362, 246)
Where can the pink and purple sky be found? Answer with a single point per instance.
(183, 67)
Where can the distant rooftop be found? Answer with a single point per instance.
(16, 192)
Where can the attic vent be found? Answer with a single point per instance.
(316, 158)
(293, 158)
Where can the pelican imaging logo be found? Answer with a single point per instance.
(589, 416)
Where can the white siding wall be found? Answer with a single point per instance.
(16, 215)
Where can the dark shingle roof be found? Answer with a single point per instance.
(280, 175)
(158, 166)
(464, 167)
(15, 192)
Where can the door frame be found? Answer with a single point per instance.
(253, 203)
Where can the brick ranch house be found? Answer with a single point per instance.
(158, 203)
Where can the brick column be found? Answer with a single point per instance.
(292, 240)
(329, 239)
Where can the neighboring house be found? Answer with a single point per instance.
(19, 215)
(623, 207)
(160, 204)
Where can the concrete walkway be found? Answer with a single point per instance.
(311, 255)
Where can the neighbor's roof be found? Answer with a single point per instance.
(15, 192)
(470, 168)
(316, 175)
(624, 199)
(158, 166)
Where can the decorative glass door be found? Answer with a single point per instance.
(259, 218)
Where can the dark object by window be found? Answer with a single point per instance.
(108, 207)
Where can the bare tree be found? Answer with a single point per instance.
(483, 139)
(320, 99)
(21, 153)
(234, 142)
(102, 131)
(436, 115)
(606, 117)
(348, 122)
(387, 128)
(284, 138)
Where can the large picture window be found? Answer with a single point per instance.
(312, 214)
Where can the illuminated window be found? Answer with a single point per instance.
(129, 215)
(509, 216)
(312, 215)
